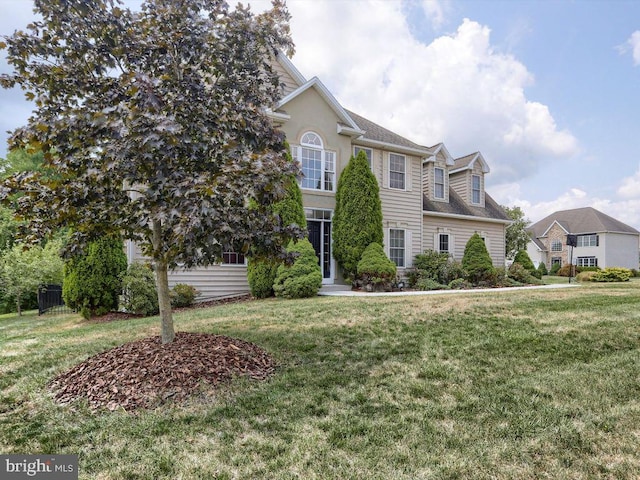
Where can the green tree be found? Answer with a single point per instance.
(93, 281)
(23, 270)
(476, 261)
(375, 269)
(156, 125)
(262, 271)
(357, 221)
(516, 236)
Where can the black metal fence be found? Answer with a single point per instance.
(50, 300)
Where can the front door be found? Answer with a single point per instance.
(320, 238)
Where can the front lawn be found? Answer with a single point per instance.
(500, 385)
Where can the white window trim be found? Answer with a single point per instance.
(444, 183)
(234, 265)
(553, 243)
(296, 154)
(405, 173)
(479, 190)
(369, 155)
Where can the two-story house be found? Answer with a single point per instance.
(602, 241)
(429, 200)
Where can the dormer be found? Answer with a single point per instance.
(435, 173)
(467, 178)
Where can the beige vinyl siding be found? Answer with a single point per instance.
(212, 282)
(429, 177)
(460, 183)
(402, 209)
(460, 231)
(289, 84)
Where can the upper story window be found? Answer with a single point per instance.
(318, 164)
(367, 151)
(556, 246)
(438, 188)
(475, 189)
(588, 240)
(397, 171)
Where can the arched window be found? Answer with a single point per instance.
(318, 164)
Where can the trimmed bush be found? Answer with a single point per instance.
(430, 284)
(93, 282)
(375, 270)
(477, 263)
(522, 257)
(459, 284)
(520, 274)
(585, 276)
(568, 270)
(139, 294)
(357, 221)
(302, 279)
(542, 269)
(261, 274)
(612, 274)
(554, 269)
(438, 266)
(183, 295)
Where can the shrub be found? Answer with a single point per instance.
(542, 269)
(612, 274)
(261, 274)
(477, 263)
(183, 295)
(585, 276)
(139, 294)
(438, 266)
(303, 278)
(357, 221)
(430, 284)
(554, 269)
(568, 270)
(375, 269)
(522, 257)
(93, 282)
(459, 284)
(520, 274)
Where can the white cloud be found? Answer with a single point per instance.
(456, 89)
(630, 186)
(632, 44)
(436, 11)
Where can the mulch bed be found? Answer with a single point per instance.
(146, 373)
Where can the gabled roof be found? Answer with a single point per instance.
(348, 125)
(456, 207)
(468, 162)
(581, 221)
(376, 135)
(440, 148)
(290, 68)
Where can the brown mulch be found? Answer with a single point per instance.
(146, 373)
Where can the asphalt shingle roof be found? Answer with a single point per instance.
(457, 206)
(375, 132)
(581, 220)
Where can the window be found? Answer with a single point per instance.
(396, 171)
(318, 165)
(587, 262)
(368, 152)
(232, 258)
(475, 189)
(588, 240)
(438, 189)
(556, 246)
(556, 261)
(396, 247)
(443, 242)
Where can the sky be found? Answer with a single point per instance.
(548, 90)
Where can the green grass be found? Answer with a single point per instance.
(504, 385)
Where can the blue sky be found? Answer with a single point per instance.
(548, 91)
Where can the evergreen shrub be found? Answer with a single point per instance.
(357, 221)
(438, 266)
(303, 278)
(93, 282)
(554, 269)
(568, 270)
(585, 276)
(612, 274)
(542, 269)
(477, 263)
(430, 284)
(261, 275)
(183, 295)
(139, 294)
(375, 270)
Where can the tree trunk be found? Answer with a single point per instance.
(162, 284)
(18, 302)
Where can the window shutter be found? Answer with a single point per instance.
(385, 239)
(408, 255)
(407, 181)
(597, 240)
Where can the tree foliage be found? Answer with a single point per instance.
(93, 281)
(156, 125)
(23, 270)
(357, 221)
(375, 269)
(476, 261)
(516, 236)
(302, 279)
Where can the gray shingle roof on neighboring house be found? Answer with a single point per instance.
(375, 132)
(581, 220)
(457, 206)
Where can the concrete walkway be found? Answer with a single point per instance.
(345, 290)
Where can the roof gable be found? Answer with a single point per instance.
(440, 149)
(468, 162)
(581, 221)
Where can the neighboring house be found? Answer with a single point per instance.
(429, 200)
(602, 241)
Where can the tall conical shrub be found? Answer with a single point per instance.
(357, 221)
(476, 261)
